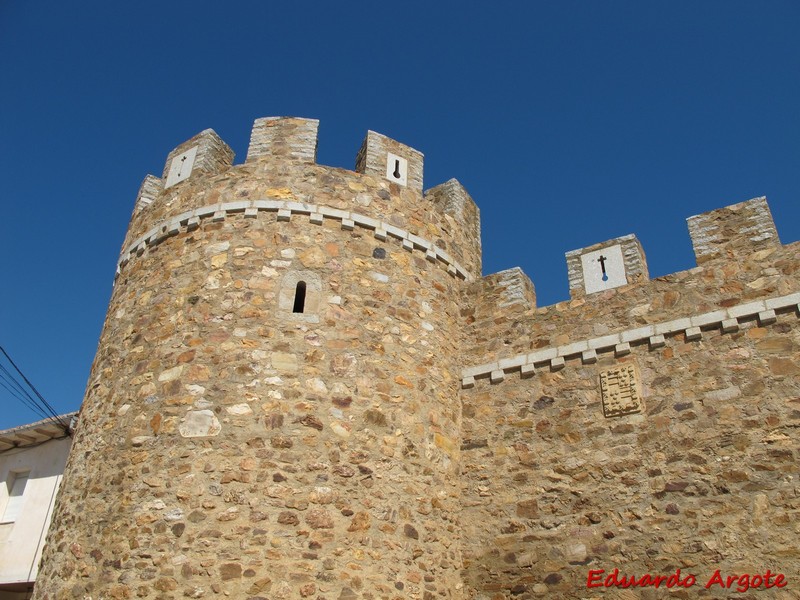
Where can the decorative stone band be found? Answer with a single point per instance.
(620, 343)
(285, 209)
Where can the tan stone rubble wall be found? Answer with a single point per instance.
(703, 476)
(230, 446)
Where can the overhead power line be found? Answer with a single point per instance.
(35, 402)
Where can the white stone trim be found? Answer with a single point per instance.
(620, 343)
(285, 210)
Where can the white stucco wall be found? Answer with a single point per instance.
(21, 541)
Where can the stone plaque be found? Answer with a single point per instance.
(396, 169)
(621, 391)
(603, 269)
(181, 167)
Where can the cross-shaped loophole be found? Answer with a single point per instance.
(602, 260)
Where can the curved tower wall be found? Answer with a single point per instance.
(231, 444)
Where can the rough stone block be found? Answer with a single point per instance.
(287, 139)
(622, 349)
(452, 199)
(693, 333)
(739, 229)
(766, 317)
(150, 189)
(730, 325)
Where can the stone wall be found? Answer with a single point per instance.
(305, 389)
(231, 445)
(646, 428)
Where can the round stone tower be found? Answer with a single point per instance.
(273, 409)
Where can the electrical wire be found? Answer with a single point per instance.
(31, 405)
(30, 385)
(17, 390)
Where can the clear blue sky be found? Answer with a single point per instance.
(569, 122)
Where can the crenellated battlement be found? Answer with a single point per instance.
(383, 193)
(292, 140)
(743, 272)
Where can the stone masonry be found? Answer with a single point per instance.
(305, 388)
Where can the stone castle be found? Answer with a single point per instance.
(305, 388)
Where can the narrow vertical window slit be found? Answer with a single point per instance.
(299, 297)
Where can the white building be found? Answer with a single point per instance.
(32, 459)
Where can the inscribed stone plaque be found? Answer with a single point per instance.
(621, 391)
(181, 167)
(603, 269)
(396, 169)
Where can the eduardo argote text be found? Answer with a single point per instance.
(735, 582)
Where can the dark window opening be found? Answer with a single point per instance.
(396, 173)
(299, 297)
